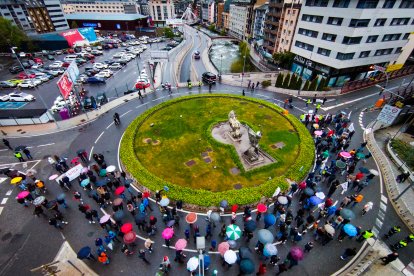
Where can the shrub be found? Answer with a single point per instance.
(279, 80)
(314, 83)
(306, 86)
(244, 196)
(299, 83)
(293, 81)
(286, 81)
(266, 83)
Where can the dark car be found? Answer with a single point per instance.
(101, 99)
(93, 80)
(89, 102)
(7, 84)
(209, 77)
(106, 47)
(15, 69)
(50, 57)
(26, 65)
(197, 55)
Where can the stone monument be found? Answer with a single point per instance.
(252, 154)
(234, 125)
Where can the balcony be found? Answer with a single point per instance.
(272, 23)
(275, 14)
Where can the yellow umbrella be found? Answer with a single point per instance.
(16, 180)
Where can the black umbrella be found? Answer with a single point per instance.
(119, 215)
(84, 252)
(250, 225)
(245, 253)
(4, 170)
(101, 183)
(19, 148)
(140, 218)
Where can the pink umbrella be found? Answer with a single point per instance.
(104, 218)
(53, 177)
(119, 190)
(223, 247)
(23, 194)
(84, 170)
(296, 253)
(180, 244)
(261, 208)
(318, 132)
(168, 233)
(345, 154)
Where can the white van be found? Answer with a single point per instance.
(70, 58)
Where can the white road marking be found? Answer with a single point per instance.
(9, 192)
(384, 199)
(45, 145)
(381, 214)
(61, 234)
(2, 179)
(90, 153)
(109, 125)
(4, 149)
(383, 206)
(99, 137)
(378, 223)
(158, 99)
(125, 113)
(1, 210)
(4, 200)
(375, 231)
(348, 102)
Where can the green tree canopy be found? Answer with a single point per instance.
(279, 80)
(74, 25)
(286, 81)
(11, 36)
(168, 32)
(284, 59)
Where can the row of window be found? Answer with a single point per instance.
(353, 40)
(356, 23)
(362, 4)
(347, 56)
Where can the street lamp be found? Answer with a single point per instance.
(31, 80)
(221, 64)
(244, 64)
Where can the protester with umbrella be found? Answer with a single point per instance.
(85, 253)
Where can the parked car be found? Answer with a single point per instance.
(96, 52)
(196, 55)
(32, 83)
(21, 97)
(58, 52)
(24, 76)
(50, 57)
(93, 80)
(7, 84)
(4, 98)
(102, 75)
(38, 60)
(99, 48)
(99, 65)
(56, 64)
(209, 77)
(16, 81)
(115, 66)
(15, 69)
(58, 106)
(44, 78)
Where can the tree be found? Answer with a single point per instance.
(284, 59)
(306, 86)
(244, 49)
(293, 81)
(313, 85)
(74, 25)
(168, 32)
(223, 32)
(266, 83)
(286, 81)
(11, 36)
(212, 27)
(279, 80)
(322, 84)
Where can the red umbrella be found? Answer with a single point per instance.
(223, 247)
(191, 218)
(146, 194)
(75, 160)
(261, 208)
(119, 190)
(130, 237)
(234, 208)
(23, 194)
(126, 227)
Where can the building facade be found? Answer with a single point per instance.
(272, 25)
(35, 16)
(126, 7)
(238, 21)
(160, 10)
(226, 21)
(109, 21)
(219, 12)
(339, 39)
(287, 26)
(259, 19)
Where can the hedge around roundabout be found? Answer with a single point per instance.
(245, 196)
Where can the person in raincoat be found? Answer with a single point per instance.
(165, 264)
(367, 208)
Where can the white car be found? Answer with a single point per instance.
(143, 47)
(99, 48)
(107, 71)
(115, 66)
(58, 106)
(21, 97)
(102, 75)
(131, 55)
(53, 72)
(118, 55)
(36, 66)
(88, 49)
(100, 66)
(32, 83)
(56, 65)
(43, 78)
(4, 98)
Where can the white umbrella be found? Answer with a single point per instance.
(321, 195)
(230, 256)
(374, 172)
(282, 200)
(192, 264)
(111, 168)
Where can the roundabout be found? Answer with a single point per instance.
(172, 145)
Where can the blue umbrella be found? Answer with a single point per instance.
(101, 183)
(119, 215)
(350, 230)
(207, 261)
(309, 192)
(85, 182)
(269, 219)
(250, 226)
(61, 196)
(363, 170)
(314, 200)
(265, 236)
(224, 203)
(247, 266)
(128, 181)
(269, 250)
(84, 252)
(140, 217)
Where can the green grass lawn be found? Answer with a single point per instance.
(182, 130)
(405, 151)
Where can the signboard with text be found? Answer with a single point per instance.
(73, 71)
(72, 36)
(65, 85)
(388, 114)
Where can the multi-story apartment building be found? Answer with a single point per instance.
(219, 13)
(84, 6)
(259, 19)
(225, 20)
(160, 10)
(340, 39)
(287, 26)
(42, 16)
(238, 20)
(208, 11)
(272, 25)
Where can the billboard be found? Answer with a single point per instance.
(73, 71)
(72, 36)
(388, 114)
(65, 85)
(88, 33)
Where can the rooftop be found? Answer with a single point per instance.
(103, 16)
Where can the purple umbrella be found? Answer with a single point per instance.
(314, 200)
(296, 253)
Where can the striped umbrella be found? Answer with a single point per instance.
(233, 232)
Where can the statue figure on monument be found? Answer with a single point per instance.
(234, 125)
(252, 153)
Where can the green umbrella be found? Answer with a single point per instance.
(233, 232)
(102, 172)
(340, 164)
(360, 155)
(325, 154)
